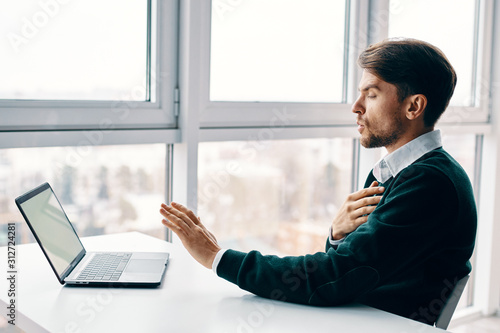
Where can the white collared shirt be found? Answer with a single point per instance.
(393, 163)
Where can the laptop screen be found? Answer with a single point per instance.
(49, 223)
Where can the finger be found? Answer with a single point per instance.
(181, 212)
(176, 216)
(195, 219)
(374, 184)
(371, 200)
(164, 210)
(366, 192)
(360, 220)
(364, 211)
(172, 218)
(175, 228)
(189, 213)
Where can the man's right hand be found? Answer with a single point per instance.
(355, 210)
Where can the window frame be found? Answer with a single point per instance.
(361, 18)
(31, 115)
(480, 112)
(216, 114)
(185, 26)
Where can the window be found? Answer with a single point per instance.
(86, 95)
(245, 71)
(70, 65)
(267, 54)
(103, 189)
(464, 148)
(456, 37)
(72, 51)
(274, 196)
(464, 38)
(277, 51)
(240, 95)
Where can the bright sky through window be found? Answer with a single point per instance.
(277, 50)
(73, 50)
(450, 30)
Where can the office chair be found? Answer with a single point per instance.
(444, 317)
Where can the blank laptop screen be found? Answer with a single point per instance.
(53, 229)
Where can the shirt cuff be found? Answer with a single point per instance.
(217, 259)
(333, 242)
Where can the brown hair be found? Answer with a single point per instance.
(414, 67)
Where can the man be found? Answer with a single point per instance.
(401, 243)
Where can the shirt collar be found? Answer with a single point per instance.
(393, 163)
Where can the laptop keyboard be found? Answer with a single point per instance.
(105, 267)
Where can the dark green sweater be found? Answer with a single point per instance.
(405, 259)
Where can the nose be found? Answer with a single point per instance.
(358, 106)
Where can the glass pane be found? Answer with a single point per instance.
(277, 50)
(463, 149)
(73, 50)
(278, 197)
(103, 189)
(422, 19)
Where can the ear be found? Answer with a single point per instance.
(416, 106)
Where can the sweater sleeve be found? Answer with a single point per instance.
(415, 206)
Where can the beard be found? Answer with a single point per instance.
(384, 139)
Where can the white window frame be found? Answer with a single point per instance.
(24, 122)
(487, 284)
(252, 114)
(479, 113)
(199, 120)
(365, 17)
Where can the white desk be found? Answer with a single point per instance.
(190, 299)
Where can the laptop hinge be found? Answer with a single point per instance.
(72, 266)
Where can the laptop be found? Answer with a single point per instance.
(69, 260)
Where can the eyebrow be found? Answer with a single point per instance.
(370, 86)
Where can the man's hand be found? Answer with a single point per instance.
(355, 210)
(199, 242)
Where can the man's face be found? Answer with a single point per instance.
(380, 116)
